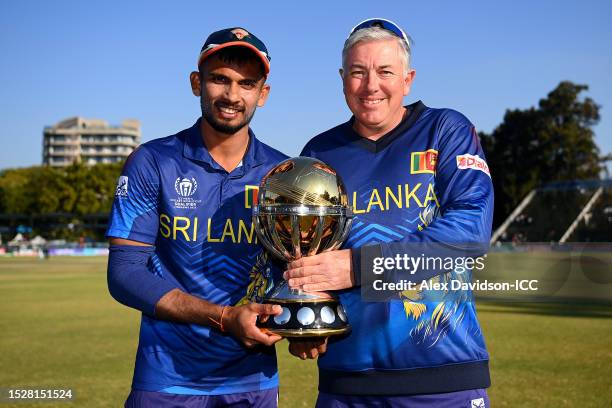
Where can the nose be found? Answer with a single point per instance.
(232, 92)
(371, 82)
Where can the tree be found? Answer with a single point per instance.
(12, 185)
(553, 142)
(57, 196)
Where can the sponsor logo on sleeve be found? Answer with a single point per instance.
(122, 187)
(478, 403)
(468, 161)
(423, 162)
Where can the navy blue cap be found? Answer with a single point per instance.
(232, 37)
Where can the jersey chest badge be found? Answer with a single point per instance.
(185, 188)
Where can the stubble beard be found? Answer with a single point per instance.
(221, 127)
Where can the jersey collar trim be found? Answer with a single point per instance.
(414, 112)
(194, 149)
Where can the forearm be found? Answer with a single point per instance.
(178, 306)
(130, 282)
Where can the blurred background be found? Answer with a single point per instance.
(83, 83)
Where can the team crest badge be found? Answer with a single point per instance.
(240, 33)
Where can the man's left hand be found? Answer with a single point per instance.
(330, 270)
(310, 347)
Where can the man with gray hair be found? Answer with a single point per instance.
(414, 176)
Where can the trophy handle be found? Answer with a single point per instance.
(276, 241)
(295, 236)
(316, 240)
(347, 228)
(261, 233)
(341, 233)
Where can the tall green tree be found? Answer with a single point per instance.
(66, 195)
(551, 142)
(12, 185)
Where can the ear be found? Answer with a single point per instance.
(408, 81)
(263, 95)
(196, 85)
(341, 72)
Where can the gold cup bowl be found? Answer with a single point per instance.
(302, 210)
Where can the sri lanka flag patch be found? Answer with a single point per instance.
(250, 196)
(423, 162)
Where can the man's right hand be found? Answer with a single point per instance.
(240, 322)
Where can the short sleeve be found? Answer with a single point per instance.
(134, 215)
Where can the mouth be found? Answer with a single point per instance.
(370, 101)
(227, 111)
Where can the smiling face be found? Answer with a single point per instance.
(229, 93)
(375, 83)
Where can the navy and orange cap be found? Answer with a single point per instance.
(231, 37)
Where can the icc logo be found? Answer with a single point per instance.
(185, 187)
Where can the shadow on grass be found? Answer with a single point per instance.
(565, 308)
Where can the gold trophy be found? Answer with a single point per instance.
(302, 210)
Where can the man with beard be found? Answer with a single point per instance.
(183, 247)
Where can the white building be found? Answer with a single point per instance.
(89, 141)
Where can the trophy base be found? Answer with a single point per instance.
(320, 317)
(310, 332)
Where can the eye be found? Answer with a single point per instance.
(248, 84)
(386, 73)
(218, 79)
(357, 74)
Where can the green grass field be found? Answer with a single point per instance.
(59, 328)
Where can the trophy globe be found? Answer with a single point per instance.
(302, 210)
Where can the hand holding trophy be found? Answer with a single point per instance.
(302, 210)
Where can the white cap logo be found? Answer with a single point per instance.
(240, 33)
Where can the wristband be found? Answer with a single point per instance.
(220, 322)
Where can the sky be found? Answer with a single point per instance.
(114, 60)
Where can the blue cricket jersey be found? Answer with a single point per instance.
(173, 195)
(424, 181)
